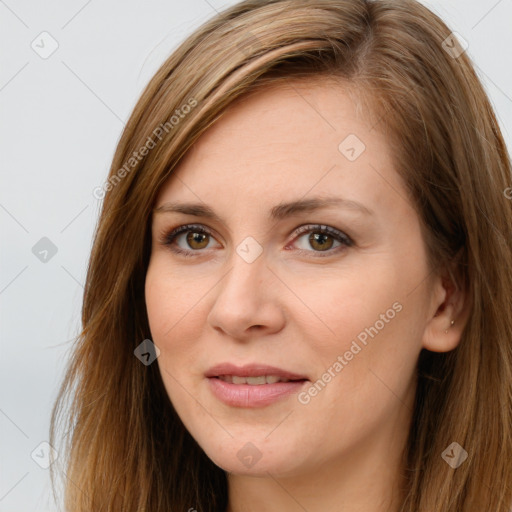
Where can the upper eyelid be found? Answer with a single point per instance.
(165, 234)
(299, 231)
(183, 228)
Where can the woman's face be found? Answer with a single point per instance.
(302, 253)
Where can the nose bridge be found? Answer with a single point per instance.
(242, 299)
(244, 282)
(248, 264)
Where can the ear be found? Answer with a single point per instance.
(449, 314)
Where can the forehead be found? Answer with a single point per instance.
(285, 142)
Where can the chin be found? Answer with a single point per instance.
(252, 459)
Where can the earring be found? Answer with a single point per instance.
(451, 323)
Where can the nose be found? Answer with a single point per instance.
(248, 300)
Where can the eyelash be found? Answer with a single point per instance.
(168, 238)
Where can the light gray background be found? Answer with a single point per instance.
(61, 118)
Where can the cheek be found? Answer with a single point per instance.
(170, 313)
(170, 303)
(340, 305)
(364, 328)
(176, 318)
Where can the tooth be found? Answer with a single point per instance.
(255, 380)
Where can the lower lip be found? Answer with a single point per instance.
(247, 395)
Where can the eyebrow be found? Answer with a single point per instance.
(278, 212)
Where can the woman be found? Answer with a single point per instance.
(299, 292)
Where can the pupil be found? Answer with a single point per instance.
(196, 238)
(319, 238)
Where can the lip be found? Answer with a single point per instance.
(252, 370)
(251, 396)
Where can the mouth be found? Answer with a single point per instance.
(253, 385)
(254, 373)
(255, 381)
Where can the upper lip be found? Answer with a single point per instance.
(252, 370)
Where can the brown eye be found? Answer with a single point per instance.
(187, 240)
(321, 241)
(197, 240)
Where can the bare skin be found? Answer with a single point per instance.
(300, 304)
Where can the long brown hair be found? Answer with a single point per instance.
(126, 448)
